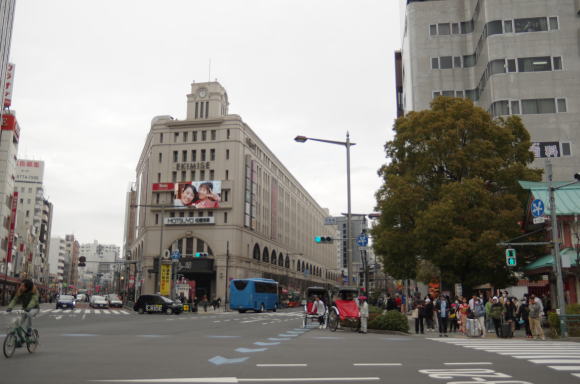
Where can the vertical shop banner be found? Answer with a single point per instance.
(12, 225)
(165, 282)
(9, 85)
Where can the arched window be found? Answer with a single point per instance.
(298, 266)
(256, 253)
(273, 260)
(281, 260)
(266, 255)
(287, 262)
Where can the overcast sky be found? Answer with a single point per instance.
(90, 76)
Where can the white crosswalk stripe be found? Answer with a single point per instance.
(558, 355)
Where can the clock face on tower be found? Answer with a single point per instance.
(202, 92)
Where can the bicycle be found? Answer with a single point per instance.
(17, 336)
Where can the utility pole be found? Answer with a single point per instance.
(227, 276)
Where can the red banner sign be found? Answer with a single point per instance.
(159, 187)
(9, 85)
(12, 225)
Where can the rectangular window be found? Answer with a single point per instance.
(160, 157)
(159, 177)
(436, 93)
(444, 29)
(175, 156)
(445, 62)
(536, 24)
(433, 30)
(561, 105)
(174, 177)
(161, 137)
(175, 137)
(508, 26)
(538, 106)
(459, 94)
(467, 26)
(226, 194)
(496, 66)
(211, 174)
(213, 134)
(554, 23)
(156, 219)
(228, 134)
(500, 108)
(494, 27)
(203, 135)
(455, 28)
(192, 175)
(534, 64)
(202, 157)
(225, 217)
(515, 105)
(183, 175)
(184, 156)
(212, 154)
(185, 137)
(193, 155)
(435, 63)
(448, 93)
(511, 65)
(468, 61)
(202, 175)
(194, 136)
(157, 198)
(457, 61)
(557, 63)
(227, 174)
(566, 149)
(227, 154)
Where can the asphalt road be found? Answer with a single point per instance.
(217, 347)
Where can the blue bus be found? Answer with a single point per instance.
(256, 294)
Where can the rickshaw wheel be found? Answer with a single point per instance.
(333, 321)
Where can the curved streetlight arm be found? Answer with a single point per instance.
(302, 139)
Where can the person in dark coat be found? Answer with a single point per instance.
(524, 314)
(429, 308)
(419, 315)
(391, 305)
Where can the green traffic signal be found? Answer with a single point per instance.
(510, 257)
(201, 254)
(323, 239)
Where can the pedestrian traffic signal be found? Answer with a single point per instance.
(82, 261)
(323, 239)
(510, 257)
(201, 254)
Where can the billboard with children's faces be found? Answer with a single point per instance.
(198, 194)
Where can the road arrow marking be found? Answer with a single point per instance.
(222, 337)
(219, 360)
(287, 335)
(251, 350)
(278, 339)
(262, 344)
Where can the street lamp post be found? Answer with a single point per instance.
(347, 144)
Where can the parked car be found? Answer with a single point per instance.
(114, 301)
(98, 302)
(65, 301)
(157, 304)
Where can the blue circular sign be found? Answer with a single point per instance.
(537, 208)
(362, 240)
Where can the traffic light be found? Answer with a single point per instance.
(510, 257)
(82, 261)
(201, 254)
(323, 239)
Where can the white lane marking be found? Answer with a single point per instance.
(78, 334)
(115, 312)
(97, 311)
(194, 380)
(377, 364)
(217, 321)
(78, 310)
(56, 310)
(281, 365)
(46, 310)
(565, 367)
(545, 356)
(474, 363)
(555, 361)
(87, 311)
(124, 312)
(106, 312)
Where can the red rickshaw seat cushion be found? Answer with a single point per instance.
(310, 308)
(347, 308)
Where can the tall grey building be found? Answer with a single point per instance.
(6, 21)
(511, 57)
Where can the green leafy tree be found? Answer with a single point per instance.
(450, 192)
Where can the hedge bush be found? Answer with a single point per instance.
(390, 321)
(573, 326)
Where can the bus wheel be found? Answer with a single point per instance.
(262, 309)
(275, 308)
(242, 310)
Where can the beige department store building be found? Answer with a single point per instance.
(265, 223)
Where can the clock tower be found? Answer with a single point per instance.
(207, 101)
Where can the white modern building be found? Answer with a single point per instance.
(511, 57)
(100, 262)
(7, 8)
(56, 260)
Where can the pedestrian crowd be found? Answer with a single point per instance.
(479, 315)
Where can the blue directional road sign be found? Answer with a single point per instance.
(362, 240)
(537, 208)
(175, 255)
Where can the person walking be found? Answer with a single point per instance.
(204, 303)
(429, 314)
(364, 313)
(479, 314)
(419, 316)
(442, 309)
(535, 316)
(524, 315)
(320, 309)
(463, 312)
(488, 320)
(496, 314)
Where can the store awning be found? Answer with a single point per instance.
(568, 256)
(567, 198)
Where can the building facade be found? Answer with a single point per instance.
(515, 57)
(100, 265)
(7, 8)
(210, 189)
(56, 262)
